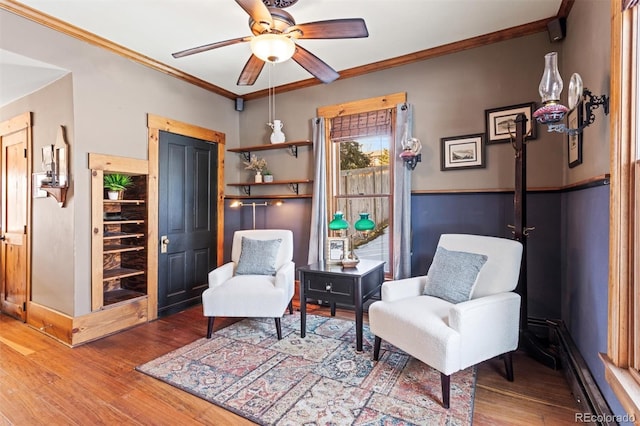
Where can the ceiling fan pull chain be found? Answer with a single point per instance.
(270, 118)
(273, 93)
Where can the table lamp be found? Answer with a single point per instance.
(339, 224)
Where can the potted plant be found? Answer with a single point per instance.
(257, 165)
(115, 184)
(267, 175)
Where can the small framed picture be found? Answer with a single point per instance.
(574, 142)
(337, 247)
(462, 152)
(501, 122)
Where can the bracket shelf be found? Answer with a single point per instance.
(292, 147)
(294, 185)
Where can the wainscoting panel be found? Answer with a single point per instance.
(490, 214)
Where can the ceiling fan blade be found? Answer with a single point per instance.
(210, 46)
(251, 71)
(257, 11)
(335, 28)
(314, 65)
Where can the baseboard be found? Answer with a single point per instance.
(50, 322)
(74, 331)
(585, 389)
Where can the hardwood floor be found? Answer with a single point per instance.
(43, 382)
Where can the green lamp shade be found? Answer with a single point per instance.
(338, 223)
(364, 223)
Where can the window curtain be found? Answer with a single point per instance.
(402, 197)
(319, 220)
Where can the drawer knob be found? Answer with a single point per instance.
(327, 287)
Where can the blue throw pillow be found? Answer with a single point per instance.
(452, 274)
(258, 257)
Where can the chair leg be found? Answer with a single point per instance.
(210, 327)
(446, 386)
(278, 328)
(508, 365)
(291, 307)
(376, 348)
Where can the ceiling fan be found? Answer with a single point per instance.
(269, 23)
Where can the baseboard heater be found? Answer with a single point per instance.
(584, 388)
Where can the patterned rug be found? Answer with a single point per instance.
(318, 380)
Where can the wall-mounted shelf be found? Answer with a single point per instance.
(294, 185)
(292, 146)
(57, 192)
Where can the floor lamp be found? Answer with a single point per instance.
(529, 341)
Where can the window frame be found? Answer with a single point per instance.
(357, 107)
(622, 359)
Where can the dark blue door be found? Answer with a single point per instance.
(187, 220)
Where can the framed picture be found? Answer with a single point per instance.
(337, 247)
(574, 142)
(501, 122)
(462, 152)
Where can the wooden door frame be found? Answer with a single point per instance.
(155, 124)
(7, 127)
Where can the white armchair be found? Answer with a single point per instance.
(258, 282)
(478, 324)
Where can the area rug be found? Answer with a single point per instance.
(318, 380)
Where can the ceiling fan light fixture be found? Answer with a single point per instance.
(273, 48)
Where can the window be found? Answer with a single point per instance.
(361, 171)
(622, 361)
(360, 146)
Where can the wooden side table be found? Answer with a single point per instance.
(349, 286)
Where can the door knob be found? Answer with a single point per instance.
(164, 244)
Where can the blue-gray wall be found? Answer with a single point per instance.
(584, 292)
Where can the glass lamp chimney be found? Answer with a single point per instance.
(551, 83)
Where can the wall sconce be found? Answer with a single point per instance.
(55, 165)
(552, 112)
(253, 206)
(411, 153)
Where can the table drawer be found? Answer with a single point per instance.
(330, 288)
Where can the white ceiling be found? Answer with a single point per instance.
(157, 28)
(20, 76)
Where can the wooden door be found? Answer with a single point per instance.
(187, 220)
(14, 253)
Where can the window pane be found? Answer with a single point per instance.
(363, 166)
(634, 356)
(363, 187)
(634, 319)
(634, 326)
